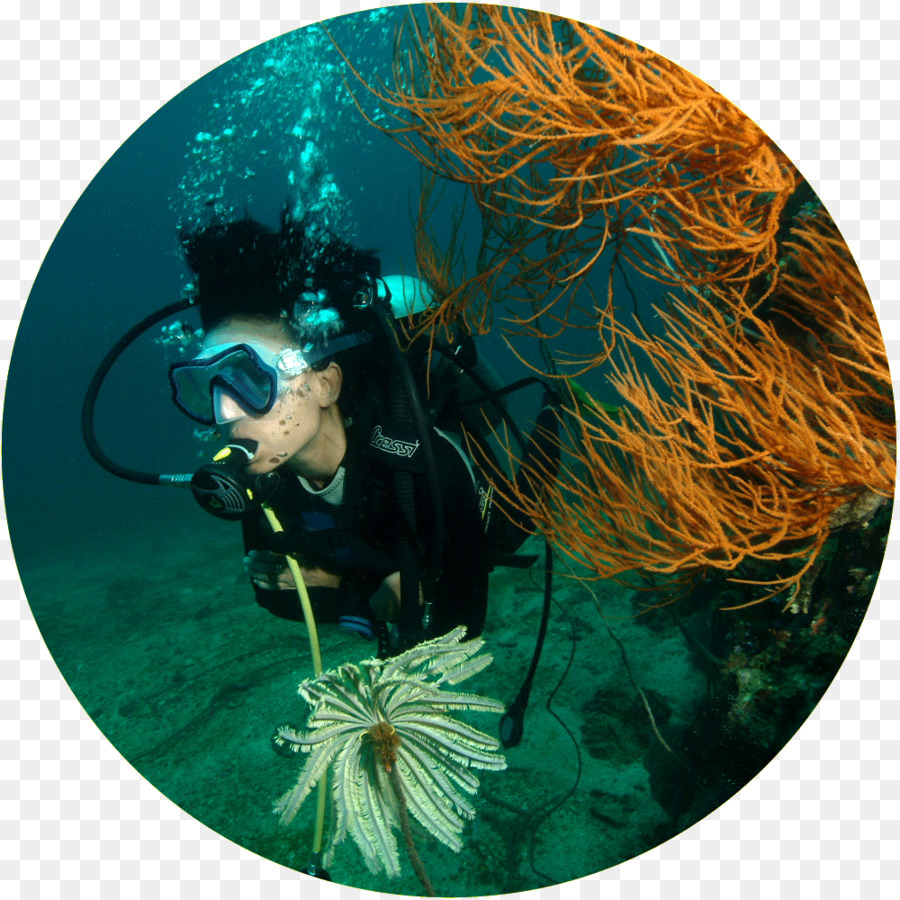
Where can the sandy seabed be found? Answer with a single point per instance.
(189, 678)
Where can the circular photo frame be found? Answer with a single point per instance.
(478, 345)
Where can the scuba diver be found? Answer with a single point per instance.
(345, 458)
(301, 371)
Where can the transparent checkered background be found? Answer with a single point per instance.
(80, 76)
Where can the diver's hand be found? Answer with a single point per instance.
(320, 578)
(268, 570)
(385, 602)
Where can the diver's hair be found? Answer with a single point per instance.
(244, 269)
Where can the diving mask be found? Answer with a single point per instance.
(229, 381)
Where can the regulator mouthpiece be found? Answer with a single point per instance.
(225, 489)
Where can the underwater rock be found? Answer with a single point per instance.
(616, 726)
(777, 658)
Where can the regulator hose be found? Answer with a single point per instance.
(90, 401)
(313, 634)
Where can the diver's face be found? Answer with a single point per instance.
(291, 429)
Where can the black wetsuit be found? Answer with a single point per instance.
(355, 528)
(360, 537)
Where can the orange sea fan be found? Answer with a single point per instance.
(587, 139)
(736, 441)
(763, 417)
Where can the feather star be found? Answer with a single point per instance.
(379, 714)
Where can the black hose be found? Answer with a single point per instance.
(512, 723)
(90, 401)
(489, 394)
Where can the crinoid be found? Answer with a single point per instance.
(383, 728)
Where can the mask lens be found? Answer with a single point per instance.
(226, 407)
(224, 385)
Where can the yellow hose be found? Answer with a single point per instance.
(304, 597)
(313, 634)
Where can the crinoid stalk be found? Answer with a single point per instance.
(383, 728)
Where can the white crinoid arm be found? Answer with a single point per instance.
(365, 808)
(319, 759)
(431, 656)
(286, 736)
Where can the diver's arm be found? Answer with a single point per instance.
(270, 572)
(278, 595)
(385, 602)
